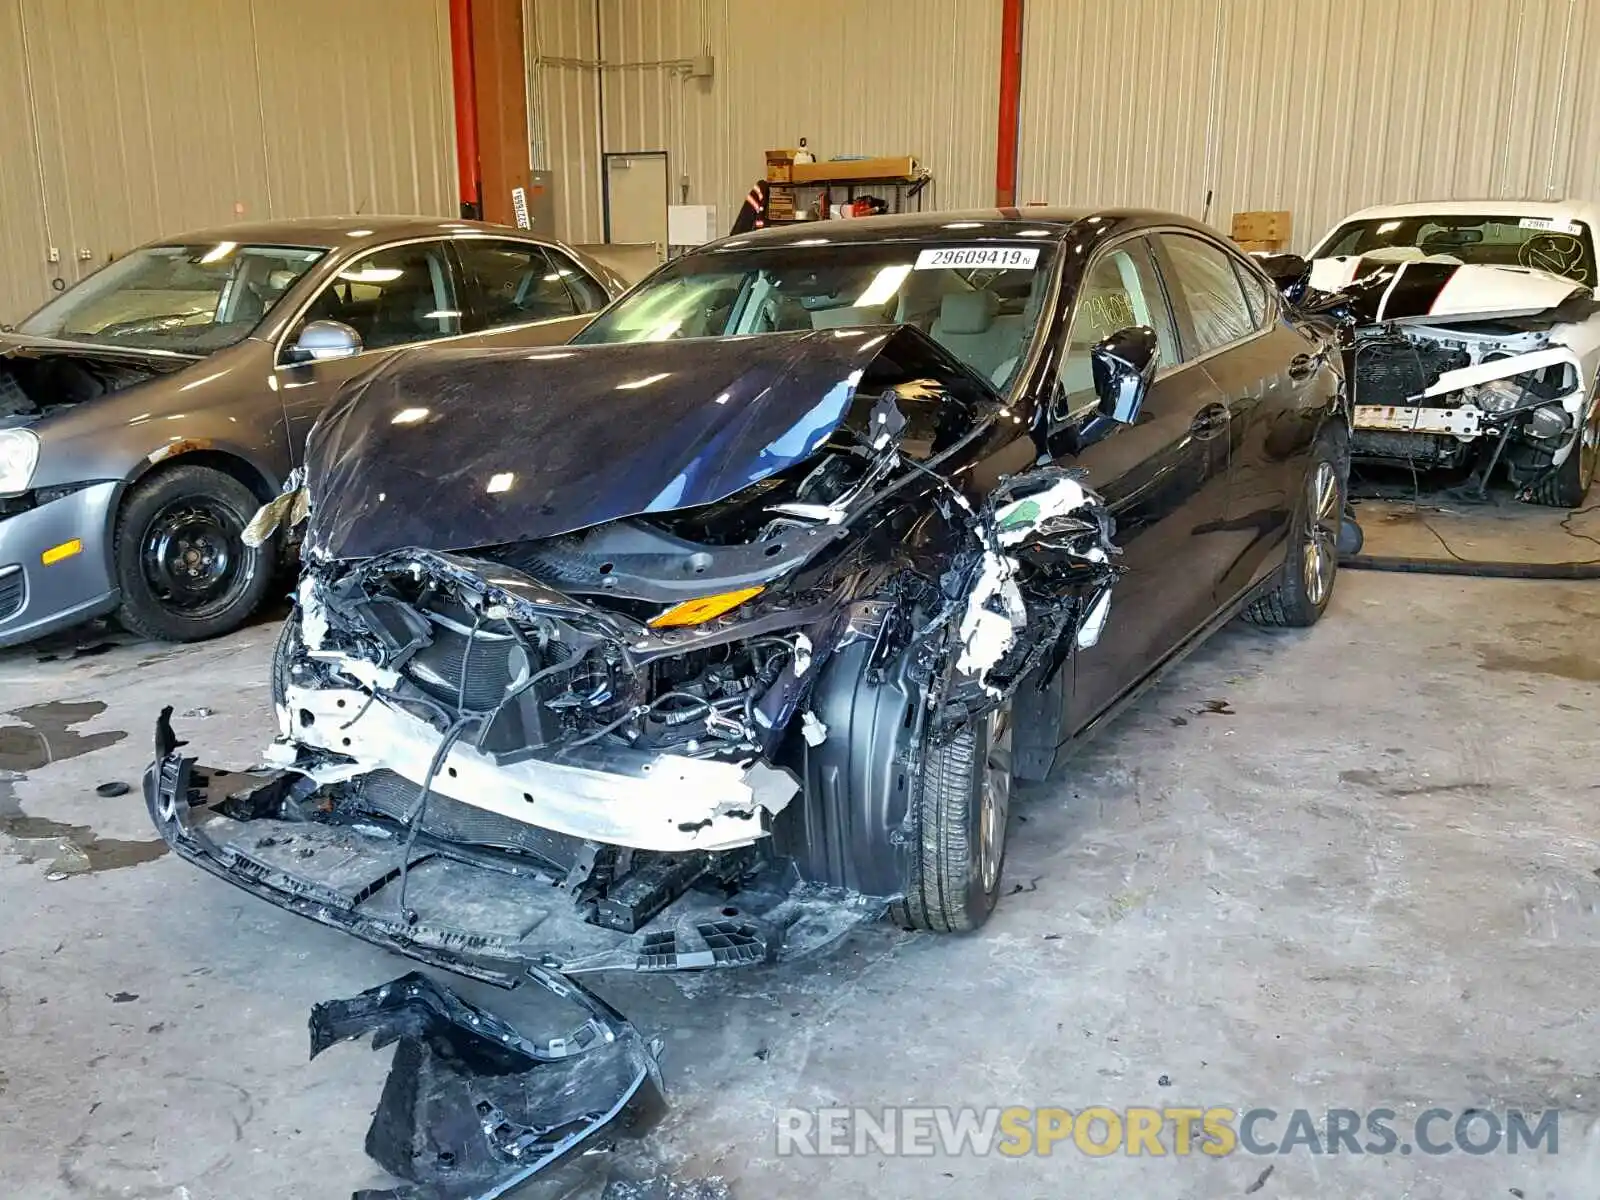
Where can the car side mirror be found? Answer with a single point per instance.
(320, 341)
(1124, 365)
(1288, 273)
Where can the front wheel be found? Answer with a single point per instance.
(1305, 581)
(960, 805)
(1568, 484)
(184, 570)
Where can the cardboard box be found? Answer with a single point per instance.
(901, 166)
(1261, 227)
(780, 166)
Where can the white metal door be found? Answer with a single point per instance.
(636, 199)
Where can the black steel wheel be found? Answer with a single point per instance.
(182, 564)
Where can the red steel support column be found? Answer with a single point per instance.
(469, 178)
(1005, 174)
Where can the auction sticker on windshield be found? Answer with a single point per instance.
(1549, 224)
(1021, 258)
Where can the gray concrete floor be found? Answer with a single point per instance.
(1501, 530)
(1371, 882)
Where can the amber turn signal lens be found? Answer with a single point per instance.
(65, 550)
(697, 612)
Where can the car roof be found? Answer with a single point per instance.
(1586, 211)
(353, 232)
(1057, 223)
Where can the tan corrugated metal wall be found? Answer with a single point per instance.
(891, 77)
(563, 55)
(1316, 107)
(165, 115)
(358, 108)
(132, 120)
(24, 280)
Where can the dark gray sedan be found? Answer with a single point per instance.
(148, 411)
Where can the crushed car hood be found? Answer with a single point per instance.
(1434, 290)
(457, 450)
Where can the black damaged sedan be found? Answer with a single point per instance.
(730, 625)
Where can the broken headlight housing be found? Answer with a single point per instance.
(1500, 395)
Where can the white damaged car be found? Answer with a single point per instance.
(1476, 338)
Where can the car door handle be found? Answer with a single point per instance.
(1302, 367)
(1210, 420)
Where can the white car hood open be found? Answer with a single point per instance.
(1439, 289)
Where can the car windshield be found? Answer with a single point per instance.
(1556, 245)
(980, 302)
(190, 299)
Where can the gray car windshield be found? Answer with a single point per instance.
(1558, 246)
(980, 302)
(190, 299)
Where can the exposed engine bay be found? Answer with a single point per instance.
(37, 383)
(596, 740)
(1461, 397)
(1470, 366)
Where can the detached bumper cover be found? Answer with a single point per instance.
(471, 1107)
(477, 913)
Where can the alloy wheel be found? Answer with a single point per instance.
(994, 801)
(1320, 554)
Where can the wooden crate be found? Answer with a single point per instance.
(1261, 230)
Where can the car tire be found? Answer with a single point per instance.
(1305, 582)
(1568, 484)
(960, 803)
(185, 573)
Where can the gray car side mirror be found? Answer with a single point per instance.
(1124, 365)
(320, 341)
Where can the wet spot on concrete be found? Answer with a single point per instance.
(46, 735)
(1565, 666)
(84, 852)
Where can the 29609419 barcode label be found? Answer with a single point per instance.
(1017, 258)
